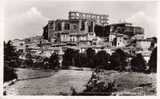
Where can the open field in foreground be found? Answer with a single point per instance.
(39, 82)
(131, 83)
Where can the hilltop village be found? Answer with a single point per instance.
(86, 30)
(83, 52)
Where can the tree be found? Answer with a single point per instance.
(82, 60)
(118, 60)
(11, 61)
(68, 58)
(138, 63)
(153, 61)
(114, 61)
(153, 42)
(9, 73)
(11, 57)
(90, 57)
(76, 58)
(54, 61)
(46, 63)
(101, 59)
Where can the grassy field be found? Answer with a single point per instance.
(131, 83)
(56, 83)
(60, 83)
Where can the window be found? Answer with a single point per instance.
(58, 27)
(75, 27)
(83, 26)
(67, 26)
(90, 27)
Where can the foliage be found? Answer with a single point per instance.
(11, 61)
(97, 86)
(46, 63)
(54, 61)
(138, 63)
(82, 60)
(29, 60)
(114, 61)
(90, 57)
(9, 74)
(118, 60)
(101, 59)
(11, 57)
(67, 58)
(153, 61)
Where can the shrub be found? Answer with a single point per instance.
(138, 63)
(83, 59)
(118, 60)
(97, 86)
(101, 59)
(90, 57)
(115, 61)
(54, 61)
(68, 58)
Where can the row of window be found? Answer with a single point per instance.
(75, 39)
(58, 26)
(67, 26)
(86, 16)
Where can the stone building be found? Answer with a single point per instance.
(85, 29)
(79, 28)
(121, 33)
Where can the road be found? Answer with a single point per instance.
(48, 83)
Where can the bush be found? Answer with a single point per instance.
(68, 58)
(29, 60)
(101, 59)
(138, 63)
(90, 57)
(118, 60)
(115, 61)
(54, 61)
(83, 60)
(97, 86)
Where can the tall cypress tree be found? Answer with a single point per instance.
(153, 61)
(11, 60)
(11, 56)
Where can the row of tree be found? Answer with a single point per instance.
(119, 60)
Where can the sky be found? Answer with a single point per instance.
(26, 18)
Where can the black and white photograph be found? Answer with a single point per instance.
(80, 48)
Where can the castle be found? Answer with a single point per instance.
(86, 28)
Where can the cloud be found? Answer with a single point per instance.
(148, 23)
(26, 24)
